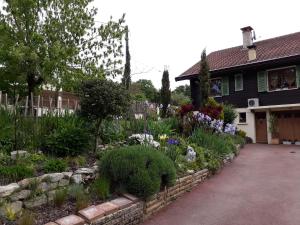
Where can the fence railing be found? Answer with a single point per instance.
(39, 105)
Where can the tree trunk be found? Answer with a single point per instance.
(97, 132)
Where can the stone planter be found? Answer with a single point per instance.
(275, 141)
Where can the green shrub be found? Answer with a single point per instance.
(77, 193)
(82, 201)
(78, 161)
(76, 190)
(101, 188)
(60, 197)
(140, 170)
(69, 138)
(27, 218)
(229, 114)
(13, 173)
(222, 144)
(6, 130)
(213, 161)
(55, 165)
(112, 131)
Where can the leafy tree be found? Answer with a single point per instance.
(184, 90)
(136, 92)
(126, 80)
(56, 42)
(165, 93)
(179, 99)
(204, 79)
(148, 89)
(100, 99)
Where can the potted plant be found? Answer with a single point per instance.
(273, 129)
(287, 142)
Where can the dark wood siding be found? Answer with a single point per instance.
(240, 98)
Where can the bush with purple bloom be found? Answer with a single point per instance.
(172, 141)
(230, 129)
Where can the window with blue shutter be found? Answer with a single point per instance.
(225, 86)
(262, 81)
(238, 82)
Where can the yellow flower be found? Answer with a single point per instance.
(163, 137)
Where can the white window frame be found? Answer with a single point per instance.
(242, 80)
(240, 118)
(280, 68)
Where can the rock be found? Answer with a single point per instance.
(53, 177)
(51, 195)
(77, 179)
(63, 182)
(35, 202)
(191, 154)
(85, 171)
(20, 195)
(44, 187)
(20, 153)
(8, 189)
(67, 174)
(96, 168)
(26, 182)
(190, 171)
(14, 207)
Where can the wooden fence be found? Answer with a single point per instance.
(48, 102)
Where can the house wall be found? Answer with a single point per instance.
(240, 98)
(249, 126)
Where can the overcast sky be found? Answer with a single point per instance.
(173, 33)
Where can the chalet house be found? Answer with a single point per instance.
(259, 79)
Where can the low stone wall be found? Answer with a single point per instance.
(37, 191)
(182, 185)
(126, 210)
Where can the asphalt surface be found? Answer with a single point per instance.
(260, 187)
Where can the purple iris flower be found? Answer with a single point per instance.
(172, 141)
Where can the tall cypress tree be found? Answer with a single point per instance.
(126, 80)
(165, 93)
(204, 79)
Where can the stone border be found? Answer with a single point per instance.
(121, 211)
(129, 210)
(182, 185)
(37, 191)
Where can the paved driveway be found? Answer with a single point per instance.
(261, 187)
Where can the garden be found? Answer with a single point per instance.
(66, 163)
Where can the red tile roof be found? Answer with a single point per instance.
(270, 49)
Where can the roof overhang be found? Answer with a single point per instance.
(276, 107)
(250, 65)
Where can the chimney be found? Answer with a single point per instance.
(251, 53)
(247, 37)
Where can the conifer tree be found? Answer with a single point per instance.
(165, 93)
(204, 79)
(126, 80)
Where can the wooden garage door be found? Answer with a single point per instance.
(289, 125)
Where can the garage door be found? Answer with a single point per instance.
(289, 125)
